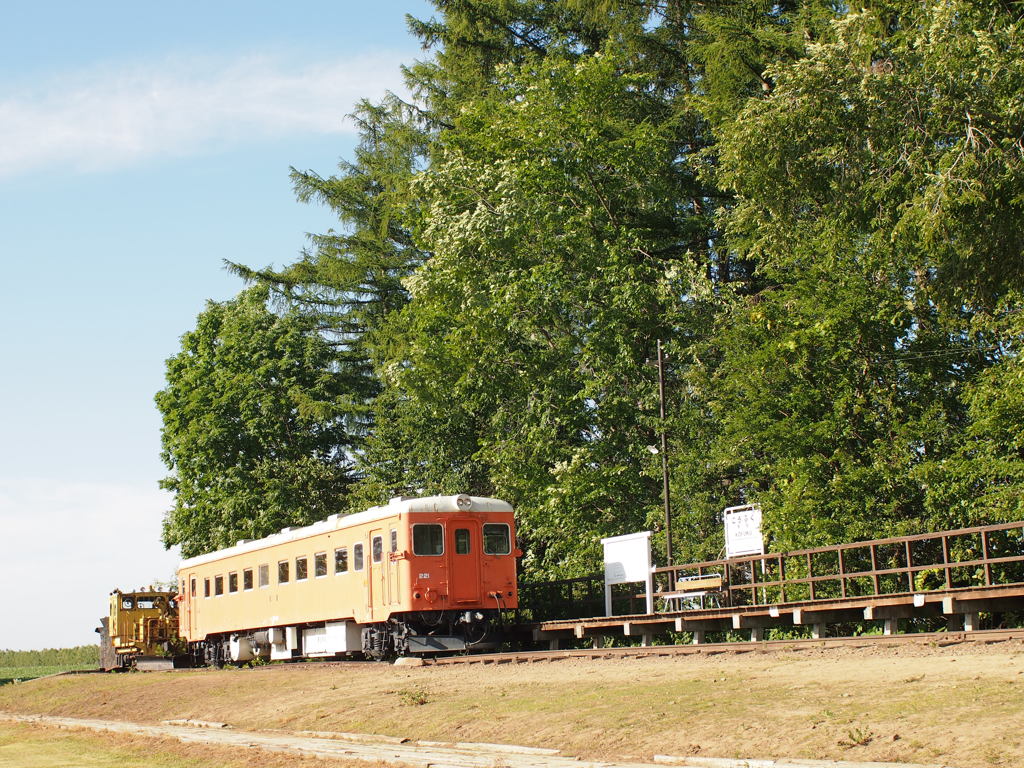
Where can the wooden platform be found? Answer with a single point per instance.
(960, 608)
(955, 575)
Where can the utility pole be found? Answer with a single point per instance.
(664, 454)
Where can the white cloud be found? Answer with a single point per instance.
(111, 118)
(64, 547)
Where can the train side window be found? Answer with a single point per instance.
(394, 540)
(357, 557)
(206, 587)
(265, 575)
(428, 539)
(462, 541)
(497, 540)
(320, 564)
(247, 579)
(233, 582)
(192, 588)
(218, 585)
(378, 548)
(301, 569)
(282, 572)
(341, 560)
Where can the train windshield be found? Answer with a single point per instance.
(496, 539)
(427, 539)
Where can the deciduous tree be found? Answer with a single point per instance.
(259, 426)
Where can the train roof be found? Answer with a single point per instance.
(397, 506)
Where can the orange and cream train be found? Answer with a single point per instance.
(413, 576)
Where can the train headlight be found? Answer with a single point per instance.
(463, 501)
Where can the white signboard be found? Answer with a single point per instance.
(627, 559)
(743, 531)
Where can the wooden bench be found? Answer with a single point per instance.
(692, 587)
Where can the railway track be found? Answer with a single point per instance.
(736, 647)
(933, 639)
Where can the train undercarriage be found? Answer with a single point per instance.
(408, 634)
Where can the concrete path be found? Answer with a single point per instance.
(403, 752)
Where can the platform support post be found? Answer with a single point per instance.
(698, 636)
(970, 622)
(756, 634)
(553, 644)
(892, 627)
(817, 631)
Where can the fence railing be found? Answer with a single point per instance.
(968, 557)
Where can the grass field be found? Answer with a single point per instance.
(26, 665)
(20, 674)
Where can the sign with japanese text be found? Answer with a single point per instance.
(743, 531)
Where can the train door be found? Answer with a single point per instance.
(392, 558)
(187, 618)
(464, 559)
(378, 576)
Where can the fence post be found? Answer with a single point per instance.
(782, 579)
(842, 574)
(910, 571)
(810, 573)
(945, 562)
(988, 557)
(874, 569)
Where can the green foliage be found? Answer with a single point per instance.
(882, 222)
(258, 426)
(898, 141)
(548, 211)
(79, 657)
(983, 479)
(16, 666)
(818, 211)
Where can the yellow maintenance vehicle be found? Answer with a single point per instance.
(141, 630)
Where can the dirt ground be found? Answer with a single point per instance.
(962, 706)
(24, 746)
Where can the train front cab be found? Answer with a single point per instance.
(462, 574)
(439, 578)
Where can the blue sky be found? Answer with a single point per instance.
(140, 146)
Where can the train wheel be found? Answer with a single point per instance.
(377, 642)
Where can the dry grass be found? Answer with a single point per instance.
(41, 747)
(963, 707)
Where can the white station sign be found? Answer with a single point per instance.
(743, 531)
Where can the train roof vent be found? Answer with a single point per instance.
(240, 542)
(289, 529)
(396, 499)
